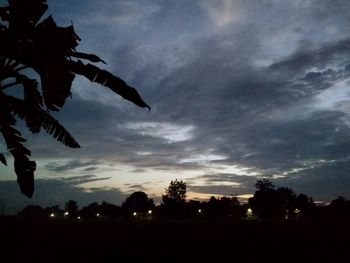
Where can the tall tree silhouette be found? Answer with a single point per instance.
(28, 46)
(265, 200)
(174, 201)
(175, 193)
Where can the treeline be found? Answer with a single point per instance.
(268, 202)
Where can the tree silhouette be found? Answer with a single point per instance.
(175, 193)
(340, 207)
(264, 185)
(29, 47)
(53, 211)
(174, 201)
(285, 203)
(305, 206)
(32, 211)
(71, 207)
(268, 202)
(110, 210)
(90, 211)
(137, 202)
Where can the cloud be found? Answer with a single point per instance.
(329, 56)
(234, 179)
(263, 88)
(227, 111)
(221, 190)
(137, 187)
(222, 12)
(324, 181)
(170, 132)
(139, 170)
(50, 192)
(124, 13)
(62, 167)
(222, 184)
(78, 180)
(106, 13)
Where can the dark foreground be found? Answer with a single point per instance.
(174, 241)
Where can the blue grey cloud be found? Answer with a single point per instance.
(50, 192)
(255, 84)
(58, 167)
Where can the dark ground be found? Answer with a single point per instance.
(174, 241)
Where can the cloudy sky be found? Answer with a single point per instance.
(239, 90)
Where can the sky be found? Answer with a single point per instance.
(240, 90)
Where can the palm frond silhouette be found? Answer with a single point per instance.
(50, 51)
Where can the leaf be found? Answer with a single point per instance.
(4, 13)
(3, 159)
(48, 37)
(24, 167)
(49, 51)
(56, 81)
(30, 87)
(25, 14)
(105, 78)
(37, 118)
(69, 39)
(91, 57)
(56, 130)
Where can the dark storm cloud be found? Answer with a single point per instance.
(58, 167)
(330, 177)
(222, 184)
(78, 180)
(215, 178)
(56, 191)
(221, 190)
(139, 170)
(257, 117)
(105, 139)
(265, 119)
(334, 54)
(137, 187)
(282, 145)
(247, 87)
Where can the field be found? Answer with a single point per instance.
(174, 241)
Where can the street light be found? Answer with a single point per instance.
(249, 213)
(149, 212)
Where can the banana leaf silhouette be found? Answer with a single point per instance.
(50, 51)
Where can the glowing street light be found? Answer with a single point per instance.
(52, 215)
(66, 213)
(297, 213)
(134, 214)
(149, 212)
(199, 211)
(78, 217)
(98, 215)
(249, 213)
